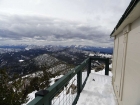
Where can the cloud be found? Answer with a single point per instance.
(86, 22)
(44, 30)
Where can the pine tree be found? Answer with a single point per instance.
(10, 91)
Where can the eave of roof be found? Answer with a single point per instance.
(131, 6)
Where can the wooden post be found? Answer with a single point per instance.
(107, 66)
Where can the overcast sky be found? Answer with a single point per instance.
(59, 22)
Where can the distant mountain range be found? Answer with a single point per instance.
(23, 59)
(108, 50)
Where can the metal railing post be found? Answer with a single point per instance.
(79, 82)
(107, 66)
(89, 67)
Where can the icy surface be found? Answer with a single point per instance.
(98, 90)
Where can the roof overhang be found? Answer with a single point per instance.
(131, 14)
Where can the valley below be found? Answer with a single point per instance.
(30, 68)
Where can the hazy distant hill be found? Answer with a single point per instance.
(58, 48)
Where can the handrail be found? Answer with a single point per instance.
(44, 97)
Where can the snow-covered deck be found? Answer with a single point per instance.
(98, 91)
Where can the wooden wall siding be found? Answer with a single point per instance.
(126, 65)
(115, 54)
(131, 87)
(119, 63)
